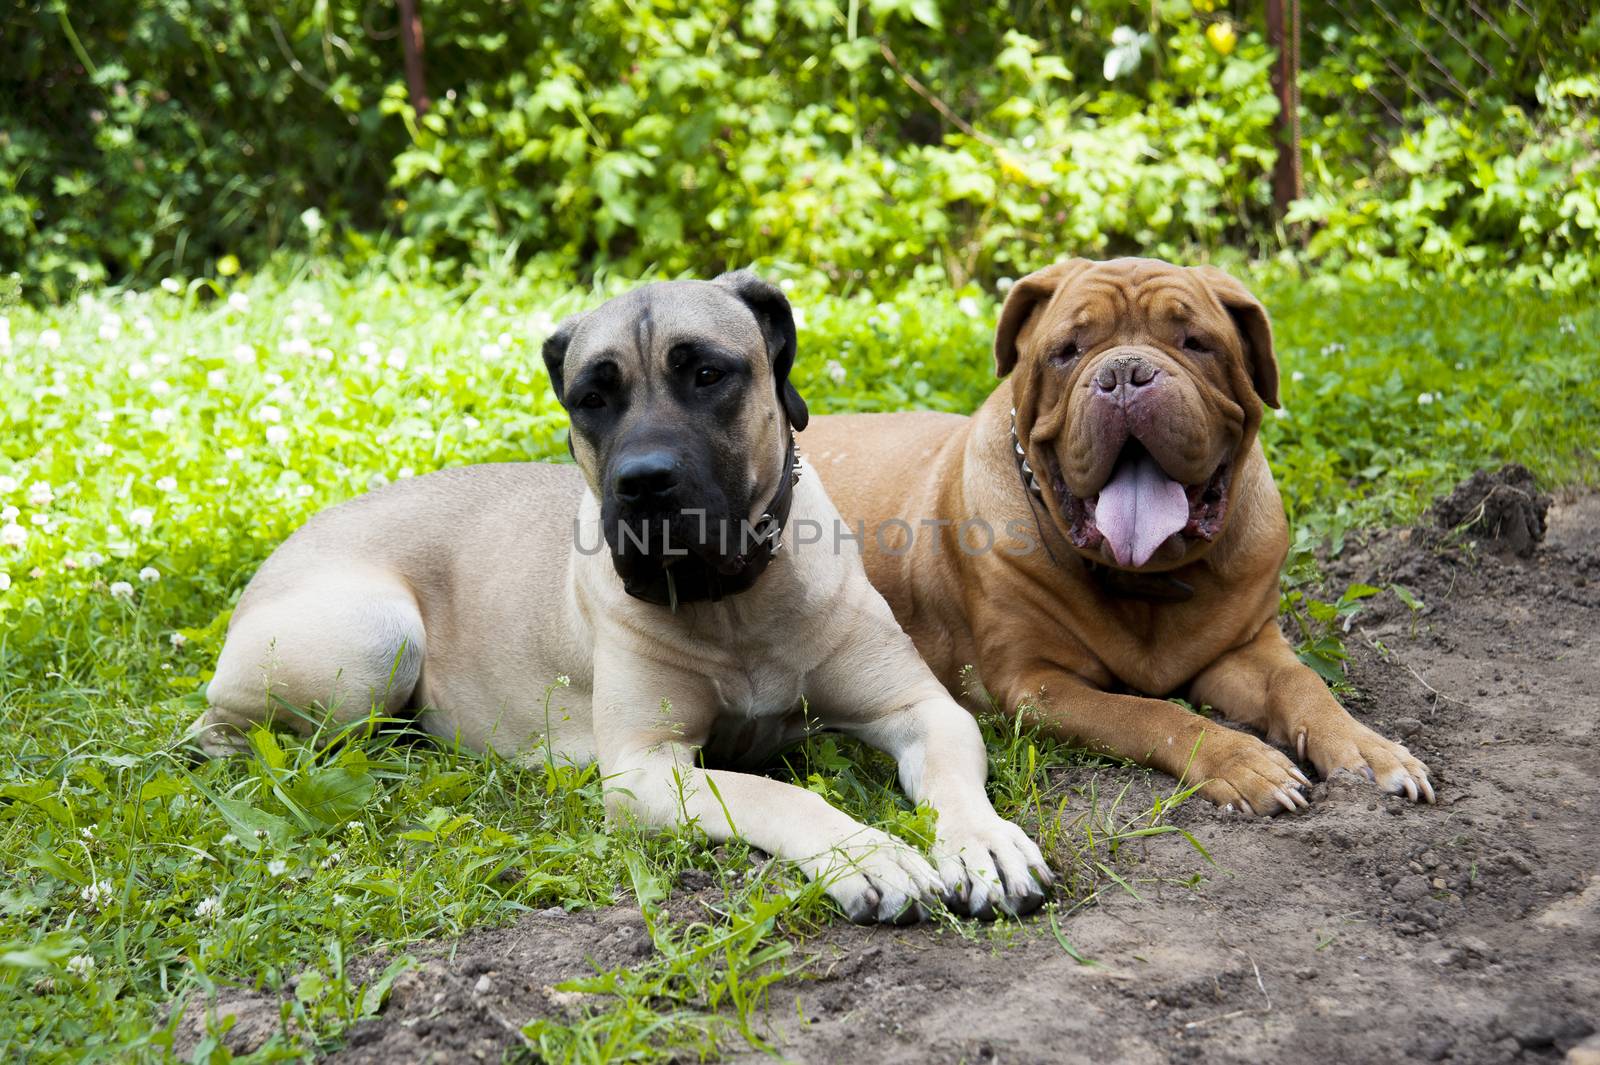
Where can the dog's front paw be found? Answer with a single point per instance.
(875, 877)
(990, 866)
(1353, 747)
(1243, 775)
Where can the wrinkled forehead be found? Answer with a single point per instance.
(641, 327)
(1135, 292)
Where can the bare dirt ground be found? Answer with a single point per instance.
(1365, 929)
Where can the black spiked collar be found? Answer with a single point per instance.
(691, 579)
(1150, 587)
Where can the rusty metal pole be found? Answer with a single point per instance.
(411, 44)
(1283, 37)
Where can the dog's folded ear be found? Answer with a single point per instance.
(555, 355)
(1250, 318)
(771, 308)
(1027, 296)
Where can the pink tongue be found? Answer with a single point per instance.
(1139, 508)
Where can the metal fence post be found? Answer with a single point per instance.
(1283, 36)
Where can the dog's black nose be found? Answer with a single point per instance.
(649, 477)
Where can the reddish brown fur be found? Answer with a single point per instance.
(1042, 630)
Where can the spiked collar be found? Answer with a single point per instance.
(1124, 584)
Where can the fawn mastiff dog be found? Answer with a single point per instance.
(1135, 533)
(637, 608)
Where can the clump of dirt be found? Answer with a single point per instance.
(1505, 510)
(1364, 929)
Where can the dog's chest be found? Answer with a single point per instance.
(758, 713)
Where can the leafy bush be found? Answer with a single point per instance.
(869, 142)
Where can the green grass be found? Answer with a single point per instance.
(161, 444)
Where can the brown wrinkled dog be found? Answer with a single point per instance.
(1128, 548)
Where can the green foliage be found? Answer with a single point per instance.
(177, 137)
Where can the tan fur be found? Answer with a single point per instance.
(463, 596)
(1042, 631)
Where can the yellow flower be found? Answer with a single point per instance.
(1222, 37)
(228, 265)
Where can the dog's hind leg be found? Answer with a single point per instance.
(328, 649)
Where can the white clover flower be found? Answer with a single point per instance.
(121, 590)
(41, 494)
(7, 485)
(91, 559)
(244, 354)
(967, 306)
(5, 581)
(406, 471)
(138, 371)
(233, 454)
(470, 422)
(363, 329)
(168, 483)
(160, 388)
(1297, 376)
(50, 340)
(273, 379)
(396, 359)
(293, 322)
(149, 575)
(490, 352)
(9, 512)
(277, 867)
(161, 417)
(13, 535)
(110, 327)
(835, 371)
(1003, 285)
(98, 893)
(104, 450)
(87, 832)
(1281, 412)
(5, 333)
(1425, 398)
(172, 285)
(354, 827)
(178, 640)
(39, 519)
(424, 404)
(216, 378)
(239, 301)
(367, 349)
(141, 517)
(297, 346)
(228, 840)
(1568, 327)
(209, 909)
(331, 860)
(277, 434)
(81, 966)
(303, 491)
(268, 413)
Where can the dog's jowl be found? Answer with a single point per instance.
(638, 608)
(1142, 533)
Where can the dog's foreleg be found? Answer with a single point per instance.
(872, 875)
(1265, 685)
(986, 862)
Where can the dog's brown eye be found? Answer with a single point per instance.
(1065, 353)
(592, 401)
(1194, 344)
(707, 375)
